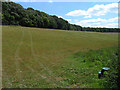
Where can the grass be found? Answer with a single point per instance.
(81, 69)
(34, 57)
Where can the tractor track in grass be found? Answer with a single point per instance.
(18, 59)
(33, 54)
(49, 77)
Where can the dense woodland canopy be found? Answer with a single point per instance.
(15, 14)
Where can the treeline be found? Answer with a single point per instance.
(101, 29)
(15, 14)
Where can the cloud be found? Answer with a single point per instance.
(65, 19)
(112, 22)
(68, 20)
(60, 17)
(50, 1)
(77, 13)
(88, 16)
(112, 25)
(113, 19)
(75, 20)
(96, 10)
(94, 20)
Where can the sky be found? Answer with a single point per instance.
(86, 14)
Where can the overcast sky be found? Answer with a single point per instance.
(87, 14)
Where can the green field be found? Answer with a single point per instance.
(36, 57)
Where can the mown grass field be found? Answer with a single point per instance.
(43, 58)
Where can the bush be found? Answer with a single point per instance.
(112, 78)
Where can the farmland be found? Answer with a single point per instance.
(44, 58)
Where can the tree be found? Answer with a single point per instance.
(15, 14)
